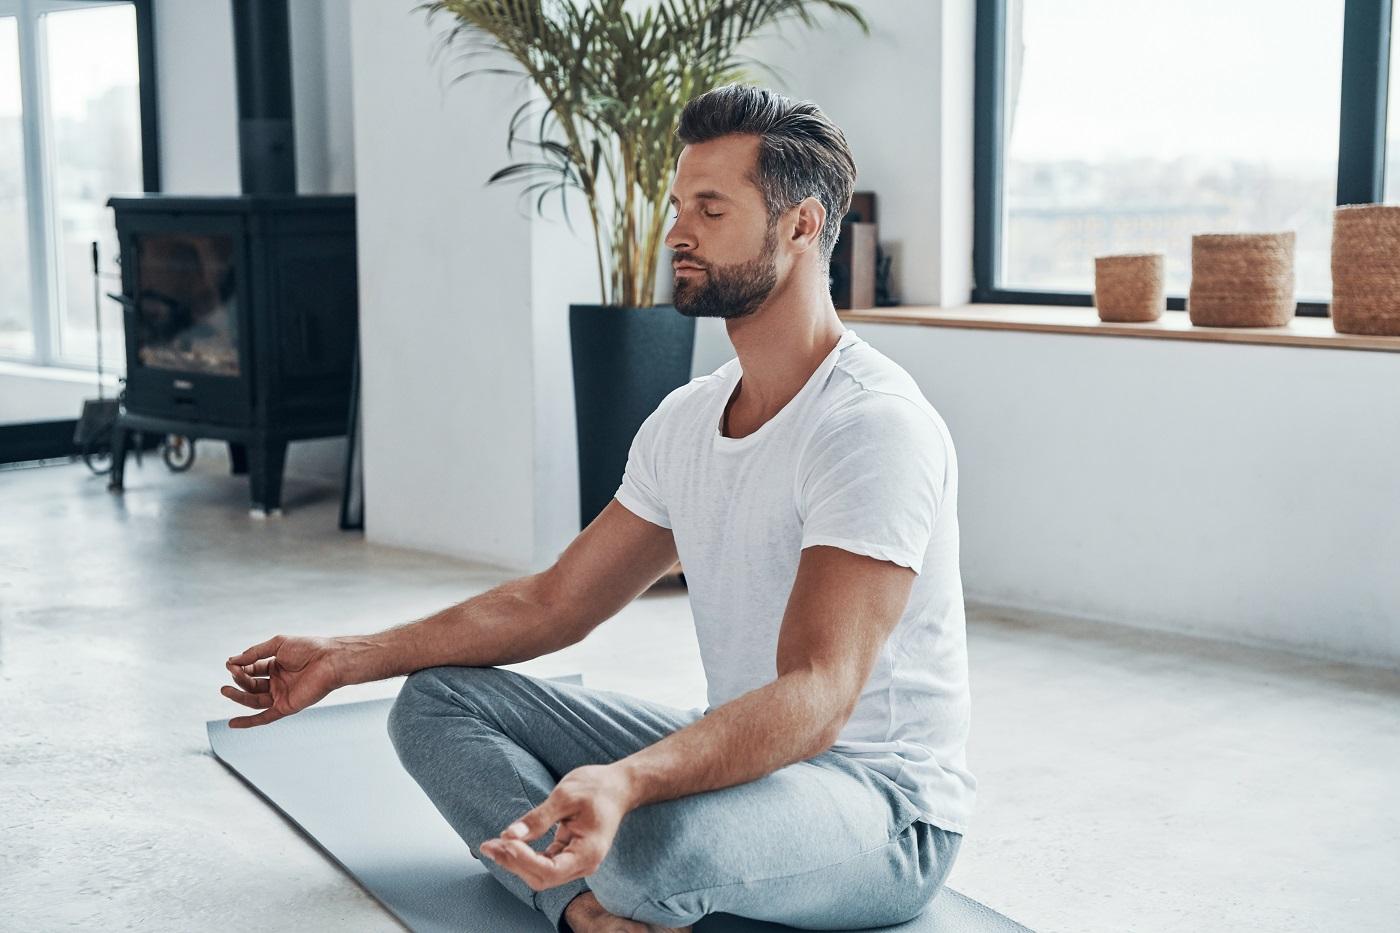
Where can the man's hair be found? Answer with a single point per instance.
(801, 152)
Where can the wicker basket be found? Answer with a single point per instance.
(1128, 287)
(1242, 279)
(1366, 269)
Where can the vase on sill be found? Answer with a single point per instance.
(1366, 269)
(1242, 279)
(1128, 287)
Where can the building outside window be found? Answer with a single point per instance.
(1119, 126)
(71, 135)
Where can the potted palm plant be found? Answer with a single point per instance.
(612, 84)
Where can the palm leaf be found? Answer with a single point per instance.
(611, 86)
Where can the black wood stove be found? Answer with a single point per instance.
(241, 310)
(240, 324)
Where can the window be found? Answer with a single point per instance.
(1392, 152)
(1114, 126)
(77, 112)
(16, 328)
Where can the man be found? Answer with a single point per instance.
(810, 491)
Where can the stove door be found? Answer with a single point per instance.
(188, 346)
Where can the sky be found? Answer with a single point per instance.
(1247, 78)
(80, 44)
(1256, 79)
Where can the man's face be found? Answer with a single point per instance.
(724, 251)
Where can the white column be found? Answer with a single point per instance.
(903, 97)
(467, 380)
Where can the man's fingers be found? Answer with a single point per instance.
(536, 822)
(262, 649)
(255, 700)
(261, 668)
(563, 835)
(249, 683)
(500, 852)
(537, 870)
(547, 872)
(562, 838)
(510, 853)
(567, 867)
(243, 722)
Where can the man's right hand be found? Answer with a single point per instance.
(281, 676)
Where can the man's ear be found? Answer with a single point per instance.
(807, 225)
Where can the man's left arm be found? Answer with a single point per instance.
(842, 608)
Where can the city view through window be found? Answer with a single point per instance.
(91, 149)
(1131, 125)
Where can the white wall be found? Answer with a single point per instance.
(321, 96)
(32, 393)
(197, 100)
(1236, 491)
(1246, 492)
(563, 272)
(900, 105)
(1243, 492)
(469, 441)
(198, 97)
(338, 169)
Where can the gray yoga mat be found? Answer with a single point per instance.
(333, 772)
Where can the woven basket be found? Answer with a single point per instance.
(1241, 279)
(1128, 287)
(1366, 269)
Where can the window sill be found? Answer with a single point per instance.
(58, 373)
(1173, 325)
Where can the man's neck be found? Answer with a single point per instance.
(779, 347)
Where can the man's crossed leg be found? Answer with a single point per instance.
(820, 844)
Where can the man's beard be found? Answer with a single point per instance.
(730, 291)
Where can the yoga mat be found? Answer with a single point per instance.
(333, 772)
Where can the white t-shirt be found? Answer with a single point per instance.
(860, 460)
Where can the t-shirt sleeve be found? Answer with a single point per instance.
(640, 492)
(872, 480)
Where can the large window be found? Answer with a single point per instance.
(1117, 126)
(16, 328)
(76, 126)
(1392, 153)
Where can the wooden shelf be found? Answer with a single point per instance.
(1173, 325)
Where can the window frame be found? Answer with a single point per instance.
(1360, 155)
(44, 314)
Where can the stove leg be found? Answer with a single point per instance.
(237, 458)
(120, 440)
(266, 458)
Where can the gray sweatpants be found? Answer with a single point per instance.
(822, 844)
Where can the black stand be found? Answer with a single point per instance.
(259, 454)
(352, 497)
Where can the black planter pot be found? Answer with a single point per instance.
(625, 362)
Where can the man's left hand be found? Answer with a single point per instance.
(588, 803)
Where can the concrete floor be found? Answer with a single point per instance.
(1129, 781)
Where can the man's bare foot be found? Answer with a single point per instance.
(585, 915)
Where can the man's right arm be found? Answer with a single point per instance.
(611, 562)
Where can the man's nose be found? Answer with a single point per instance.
(679, 239)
